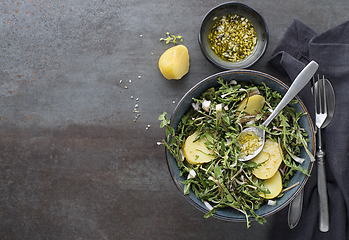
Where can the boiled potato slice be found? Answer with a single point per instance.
(274, 184)
(251, 104)
(271, 157)
(174, 62)
(196, 152)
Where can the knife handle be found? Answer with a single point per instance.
(324, 221)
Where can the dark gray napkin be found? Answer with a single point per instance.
(330, 50)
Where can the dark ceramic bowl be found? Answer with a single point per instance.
(230, 8)
(256, 77)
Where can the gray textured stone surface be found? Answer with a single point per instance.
(73, 162)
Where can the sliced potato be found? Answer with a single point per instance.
(252, 104)
(271, 157)
(174, 62)
(274, 184)
(197, 152)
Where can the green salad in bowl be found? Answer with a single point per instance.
(204, 144)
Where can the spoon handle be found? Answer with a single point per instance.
(301, 80)
(295, 210)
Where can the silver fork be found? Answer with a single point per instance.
(320, 117)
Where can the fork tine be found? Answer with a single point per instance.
(314, 93)
(321, 95)
(320, 101)
(324, 95)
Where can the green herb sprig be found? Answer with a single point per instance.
(172, 38)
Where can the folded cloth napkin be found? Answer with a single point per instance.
(330, 50)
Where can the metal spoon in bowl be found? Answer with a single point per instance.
(301, 80)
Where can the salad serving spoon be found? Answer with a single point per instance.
(298, 84)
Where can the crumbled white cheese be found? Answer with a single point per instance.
(206, 105)
(191, 174)
(250, 122)
(209, 207)
(196, 106)
(233, 82)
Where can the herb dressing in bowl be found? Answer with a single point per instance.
(233, 36)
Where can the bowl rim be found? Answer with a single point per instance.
(298, 188)
(264, 24)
